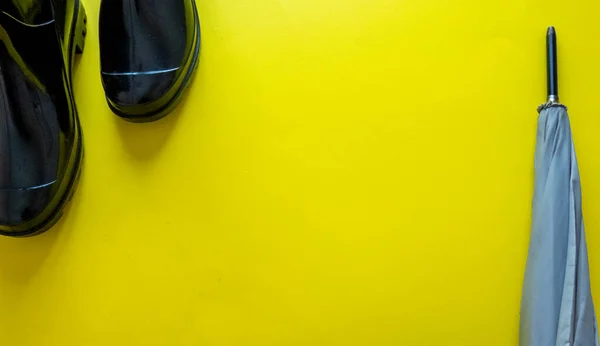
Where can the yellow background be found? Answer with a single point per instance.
(340, 173)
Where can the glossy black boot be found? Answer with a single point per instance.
(40, 137)
(148, 52)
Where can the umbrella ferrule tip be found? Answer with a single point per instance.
(553, 98)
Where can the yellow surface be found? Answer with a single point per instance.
(340, 173)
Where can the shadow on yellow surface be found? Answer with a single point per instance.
(143, 141)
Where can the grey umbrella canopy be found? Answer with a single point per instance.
(556, 306)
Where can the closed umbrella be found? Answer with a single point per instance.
(556, 306)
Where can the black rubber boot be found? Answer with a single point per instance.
(40, 137)
(148, 53)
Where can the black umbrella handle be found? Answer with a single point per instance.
(552, 65)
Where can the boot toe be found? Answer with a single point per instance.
(18, 207)
(140, 93)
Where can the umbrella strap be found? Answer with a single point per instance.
(550, 104)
